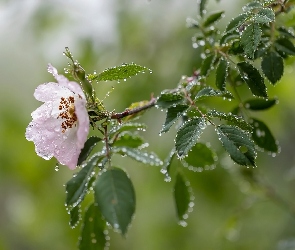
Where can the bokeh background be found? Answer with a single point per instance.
(230, 211)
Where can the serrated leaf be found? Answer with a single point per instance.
(167, 100)
(272, 66)
(121, 72)
(114, 195)
(250, 39)
(233, 119)
(167, 164)
(202, 7)
(92, 231)
(88, 146)
(264, 15)
(207, 65)
(221, 74)
(76, 188)
(173, 113)
(238, 144)
(209, 92)
(188, 134)
(259, 104)
(139, 155)
(200, 157)
(263, 137)
(285, 46)
(75, 216)
(253, 79)
(181, 196)
(129, 140)
(236, 22)
(213, 17)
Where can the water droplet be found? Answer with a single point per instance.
(56, 167)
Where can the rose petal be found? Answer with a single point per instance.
(48, 130)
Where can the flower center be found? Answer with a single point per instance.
(67, 108)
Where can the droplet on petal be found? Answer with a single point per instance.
(60, 126)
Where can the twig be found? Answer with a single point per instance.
(128, 112)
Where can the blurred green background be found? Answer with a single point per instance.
(230, 212)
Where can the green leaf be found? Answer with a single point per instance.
(233, 119)
(285, 46)
(236, 22)
(236, 48)
(250, 39)
(221, 74)
(114, 194)
(75, 216)
(181, 196)
(209, 92)
(207, 65)
(251, 6)
(229, 37)
(213, 17)
(173, 113)
(128, 139)
(127, 127)
(88, 146)
(272, 66)
(238, 144)
(77, 187)
(167, 100)
(138, 155)
(92, 231)
(253, 79)
(202, 7)
(121, 72)
(200, 157)
(264, 15)
(167, 164)
(285, 32)
(188, 134)
(259, 104)
(263, 137)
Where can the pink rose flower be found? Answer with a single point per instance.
(60, 126)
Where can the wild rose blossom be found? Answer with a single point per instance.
(60, 126)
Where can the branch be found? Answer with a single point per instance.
(128, 112)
